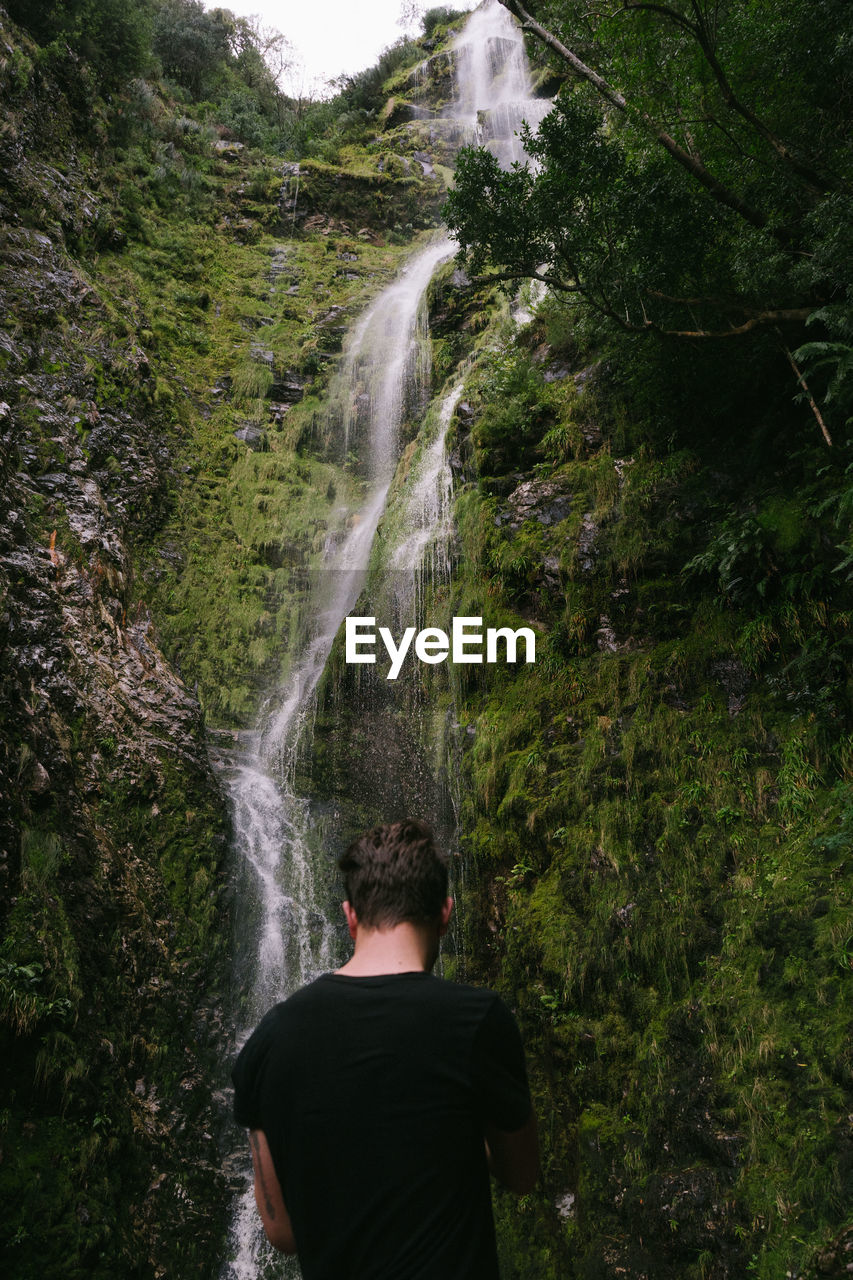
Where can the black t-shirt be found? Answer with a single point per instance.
(374, 1094)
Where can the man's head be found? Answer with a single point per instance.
(395, 873)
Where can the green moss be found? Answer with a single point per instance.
(92, 1026)
(654, 821)
(251, 525)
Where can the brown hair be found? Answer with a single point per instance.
(395, 873)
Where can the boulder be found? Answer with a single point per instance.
(287, 388)
(546, 501)
(254, 436)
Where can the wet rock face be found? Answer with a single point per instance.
(735, 681)
(83, 455)
(82, 480)
(253, 436)
(288, 388)
(434, 81)
(836, 1260)
(75, 653)
(111, 824)
(99, 730)
(546, 501)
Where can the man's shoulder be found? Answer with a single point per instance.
(283, 1020)
(464, 993)
(318, 991)
(303, 998)
(416, 987)
(332, 995)
(447, 1001)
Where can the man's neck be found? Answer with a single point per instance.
(403, 948)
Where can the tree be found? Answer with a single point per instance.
(112, 35)
(190, 43)
(439, 16)
(694, 177)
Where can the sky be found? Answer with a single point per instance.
(331, 37)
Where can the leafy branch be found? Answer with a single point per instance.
(690, 162)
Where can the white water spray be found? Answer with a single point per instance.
(428, 516)
(493, 83)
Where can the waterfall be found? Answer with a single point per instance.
(284, 938)
(386, 361)
(427, 523)
(384, 371)
(493, 83)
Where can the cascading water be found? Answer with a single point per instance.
(428, 508)
(493, 82)
(293, 942)
(285, 938)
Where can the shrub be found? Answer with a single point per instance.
(439, 16)
(110, 34)
(190, 43)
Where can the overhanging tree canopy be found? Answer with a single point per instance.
(695, 175)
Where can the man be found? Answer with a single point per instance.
(379, 1096)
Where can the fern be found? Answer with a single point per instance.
(834, 355)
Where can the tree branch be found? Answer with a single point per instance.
(598, 298)
(758, 320)
(664, 10)
(731, 304)
(800, 376)
(693, 166)
(553, 282)
(702, 37)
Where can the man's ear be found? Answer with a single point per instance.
(352, 919)
(444, 919)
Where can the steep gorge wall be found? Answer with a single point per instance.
(650, 827)
(655, 821)
(173, 305)
(113, 833)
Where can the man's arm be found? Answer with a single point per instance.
(514, 1157)
(268, 1197)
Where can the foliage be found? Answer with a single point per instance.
(832, 359)
(364, 91)
(233, 60)
(438, 16)
(112, 35)
(23, 1002)
(190, 43)
(684, 185)
(647, 827)
(515, 407)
